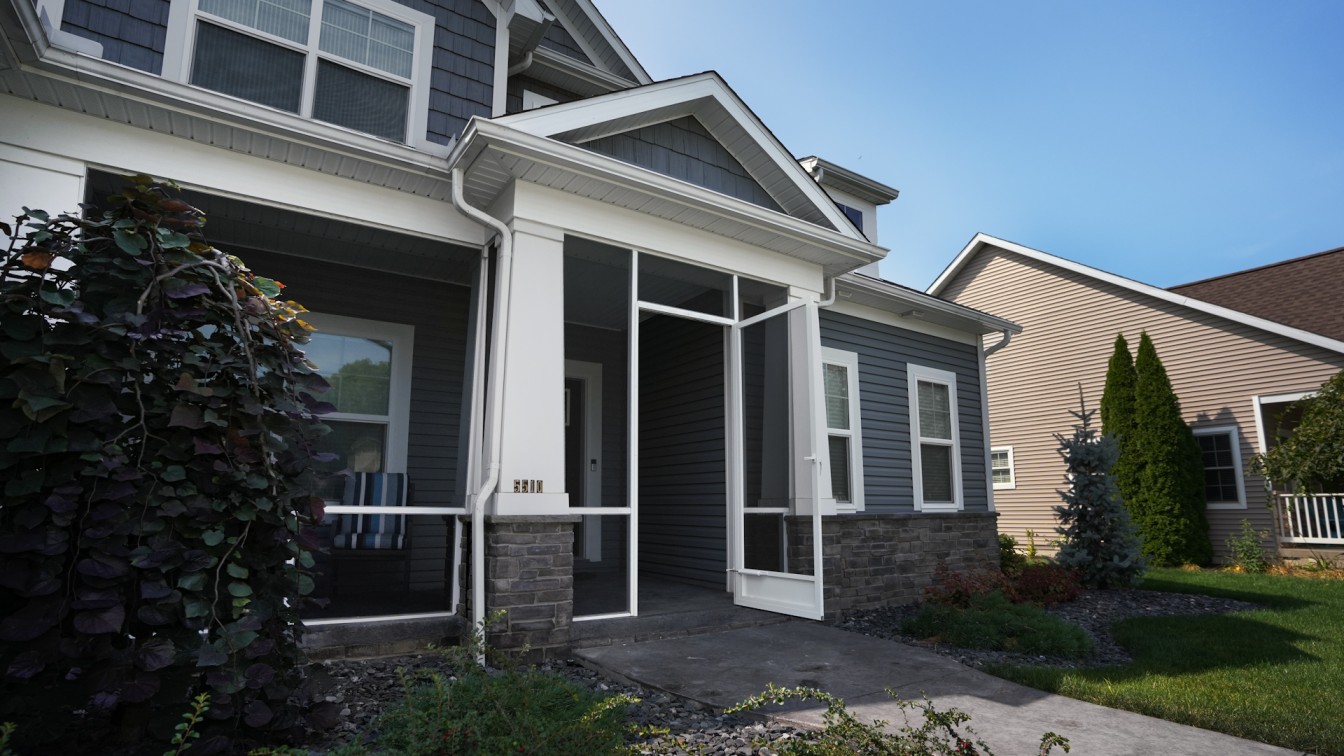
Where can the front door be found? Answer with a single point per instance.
(775, 481)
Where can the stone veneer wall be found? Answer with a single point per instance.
(874, 560)
(529, 573)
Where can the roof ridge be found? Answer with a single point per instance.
(1257, 268)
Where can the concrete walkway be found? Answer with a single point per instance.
(720, 669)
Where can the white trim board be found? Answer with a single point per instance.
(1235, 439)
(982, 240)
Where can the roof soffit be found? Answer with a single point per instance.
(707, 98)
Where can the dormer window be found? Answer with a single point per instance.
(361, 65)
(855, 216)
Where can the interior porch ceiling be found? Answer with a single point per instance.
(492, 170)
(232, 222)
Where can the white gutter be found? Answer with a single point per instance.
(1007, 337)
(495, 385)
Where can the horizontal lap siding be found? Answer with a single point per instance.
(1070, 322)
(884, 406)
(439, 312)
(682, 464)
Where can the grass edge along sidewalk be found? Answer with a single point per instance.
(1275, 675)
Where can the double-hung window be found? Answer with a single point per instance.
(1220, 450)
(1001, 467)
(844, 437)
(934, 439)
(368, 364)
(361, 64)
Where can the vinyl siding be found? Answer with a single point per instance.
(684, 150)
(132, 33)
(1070, 322)
(683, 505)
(884, 407)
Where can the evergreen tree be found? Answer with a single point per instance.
(1169, 504)
(1117, 415)
(1098, 538)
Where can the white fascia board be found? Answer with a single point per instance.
(617, 45)
(597, 81)
(558, 119)
(481, 133)
(973, 320)
(1236, 316)
(846, 180)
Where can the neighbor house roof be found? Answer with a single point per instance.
(1304, 292)
(983, 241)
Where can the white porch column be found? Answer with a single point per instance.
(808, 412)
(38, 180)
(532, 473)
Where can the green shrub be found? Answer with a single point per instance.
(516, 711)
(1248, 549)
(158, 421)
(991, 621)
(1045, 585)
(937, 735)
(1010, 561)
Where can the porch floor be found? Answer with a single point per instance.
(670, 609)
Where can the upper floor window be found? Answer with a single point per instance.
(855, 215)
(935, 443)
(844, 439)
(1220, 449)
(362, 65)
(1001, 467)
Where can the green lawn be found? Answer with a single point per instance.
(1275, 675)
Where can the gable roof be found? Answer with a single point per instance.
(719, 110)
(1303, 292)
(982, 241)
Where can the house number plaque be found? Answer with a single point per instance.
(527, 486)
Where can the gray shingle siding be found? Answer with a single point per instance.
(684, 150)
(132, 33)
(559, 39)
(884, 406)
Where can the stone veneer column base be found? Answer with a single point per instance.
(876, 560)
(529, 574)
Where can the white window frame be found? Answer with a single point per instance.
(183, 16)
(1235, 438)
(1012, 468)
(850, 362)
(398, 417)
(915, 374)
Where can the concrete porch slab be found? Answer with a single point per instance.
(721, 669)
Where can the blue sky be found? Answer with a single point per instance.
(1164, 141)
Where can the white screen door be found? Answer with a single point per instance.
(775, 473)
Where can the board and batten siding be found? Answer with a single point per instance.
(884, 406)
(1070, 322)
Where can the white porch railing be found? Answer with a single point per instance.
(1312, 518)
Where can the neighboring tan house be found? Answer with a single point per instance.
(1238, 349)
(612, 349)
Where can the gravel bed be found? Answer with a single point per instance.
(354, 692)
(1094, 612)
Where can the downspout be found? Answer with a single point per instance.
(503, 274)
(521, 65)
(1007, 337)
(984, 414)
(828, 299)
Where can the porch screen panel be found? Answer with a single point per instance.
(772, 539)
(688, 287)
(407, 572)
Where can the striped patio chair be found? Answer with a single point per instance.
(368, 531)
